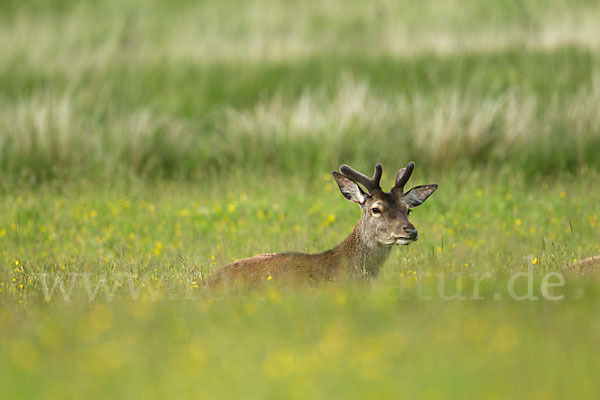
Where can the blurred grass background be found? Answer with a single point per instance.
(160, 140)
(189, 90)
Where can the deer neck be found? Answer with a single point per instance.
(361, 253)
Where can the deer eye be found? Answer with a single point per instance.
(376, 210)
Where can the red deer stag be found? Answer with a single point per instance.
(383, 224)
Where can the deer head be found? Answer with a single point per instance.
(384, 217)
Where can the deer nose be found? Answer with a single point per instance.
(411, 231)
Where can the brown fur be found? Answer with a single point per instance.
(342, 262)
(588, 265)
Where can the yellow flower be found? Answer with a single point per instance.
(16, 262)
(534, 261)
(563, 195)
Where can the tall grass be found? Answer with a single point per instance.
(311, 122)
(187, 90)
(271, 30)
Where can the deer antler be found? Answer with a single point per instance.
(403, 177)
(371, 184)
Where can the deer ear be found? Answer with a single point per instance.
(349, 188)
(417, 195)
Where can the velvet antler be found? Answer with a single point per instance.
(371, 184)
(403, 177)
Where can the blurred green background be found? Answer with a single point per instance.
(148, 143)
(190, 89)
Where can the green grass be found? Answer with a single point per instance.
(142, 89)
(169, 337)
(180, 119)
(143, 144)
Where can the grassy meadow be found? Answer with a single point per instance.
(144, 144)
